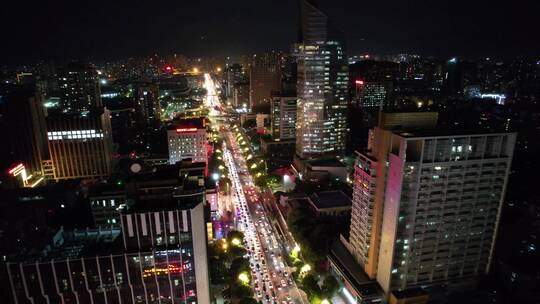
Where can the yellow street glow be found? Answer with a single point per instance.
(236, 242)
(244, 278)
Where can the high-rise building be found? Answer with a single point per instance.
(80, 144)
(241, 94)
(263, 80)
(187, 140)
(22, 125)
(322, 86)
(146, 99)
(79, 87)
(426, 204)
(283, 116)
(156, 255)
(233, 75)
(176, 224)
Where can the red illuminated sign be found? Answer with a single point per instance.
(16, 168)
(184, 130)
(359, 82)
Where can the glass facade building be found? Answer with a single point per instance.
(322, 86)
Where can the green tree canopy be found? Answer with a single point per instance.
(330, 286)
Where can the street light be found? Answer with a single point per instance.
(295, 251)
(286, 179)
(243, 278)
(305, 268)
(236, 242)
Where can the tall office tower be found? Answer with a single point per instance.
(322, 86)
(426, 204)
(156, 255)
(263, 79)
(241, 94)
(22, 125)
(233, 75)
(187, 140)
(283, 116)
(80, 144)
(146, 98)
(78, 85)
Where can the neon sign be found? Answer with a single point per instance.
(20, 170)
(161, 271)
(184, 130)
(16, 170)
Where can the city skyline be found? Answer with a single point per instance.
(284, 152)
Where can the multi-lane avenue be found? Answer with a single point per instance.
(271, 278)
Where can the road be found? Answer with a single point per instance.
(271, 279)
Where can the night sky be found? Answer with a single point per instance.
(78, 29)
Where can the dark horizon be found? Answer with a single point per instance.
(99, 30)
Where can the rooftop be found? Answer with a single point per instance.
(325, 162)
(180, 200)
(105, 189)
(445, 132)
(71, 244)
(168, 172)
(330, 199)
(188, 123)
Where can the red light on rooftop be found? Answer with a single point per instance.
(359, 82)
(184, 130)
(168, 68)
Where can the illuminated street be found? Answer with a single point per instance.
(272, 282)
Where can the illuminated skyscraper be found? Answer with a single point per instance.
(146, 98)
(80, 145)
(426, 205)
(263, 79)
(79, 87)
(322, 86)
(283, 116)
(22, 125)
